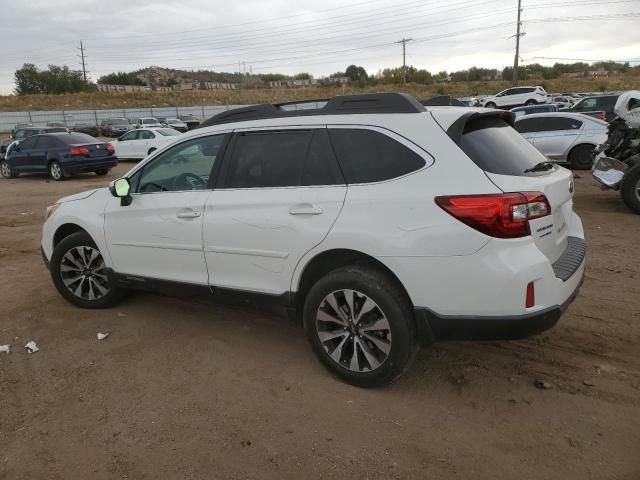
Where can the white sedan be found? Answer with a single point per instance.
(564, 136)
(141, 142)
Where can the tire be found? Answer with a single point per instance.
(630, 189)
(6, 171)
(334, 341)
(151, 150)
(70, 257)
(581, 157)
(489, 105)
(528, 103)
(102, 173)
(55, 171)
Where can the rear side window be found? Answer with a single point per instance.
(607, 103)
(73, 138)
(47, 142)
(28, 143)
(268, 159)
(321, 166)
(495, 147)
(529, 125)
(368, 156)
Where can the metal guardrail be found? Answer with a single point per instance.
(8, 120)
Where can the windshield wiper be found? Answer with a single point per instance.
(540, 167)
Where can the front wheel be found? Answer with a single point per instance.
(490, 105)
(630, 189)
(528, 103)
(55, 170)
(360, 325)
(79, 273)
(581, 157)
(5, 169)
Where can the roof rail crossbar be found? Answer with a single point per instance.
(340, 105)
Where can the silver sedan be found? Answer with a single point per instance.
(564, 137)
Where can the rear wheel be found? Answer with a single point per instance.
(55, 170)
(530, 102)
(581, 157)
(360, 325)
(79, 273)
(102, 173)
(5, 170)
(630, 189)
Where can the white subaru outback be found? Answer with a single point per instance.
(381, 224)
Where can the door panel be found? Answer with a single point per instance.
(153, 237)
(254, 238)
(555, 143)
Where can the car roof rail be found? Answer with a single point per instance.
(340, 105)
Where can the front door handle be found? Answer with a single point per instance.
(188, 214)
(305, 209)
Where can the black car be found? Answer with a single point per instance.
(20, 134)
(114, 127)
(88, 128)
(191, 120)
(59, 154)
(600, 103)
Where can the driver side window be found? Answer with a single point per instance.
(187, 166)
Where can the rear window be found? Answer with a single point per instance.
(495, 147)
(368, 156)
(167, 132)
(77, 138)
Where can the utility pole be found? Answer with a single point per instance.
(518, 35)
(404, 56)
(84, 68)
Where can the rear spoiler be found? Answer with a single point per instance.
(456, 129)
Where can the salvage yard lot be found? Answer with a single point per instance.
(190, 389)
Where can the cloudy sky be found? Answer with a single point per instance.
(288, 36)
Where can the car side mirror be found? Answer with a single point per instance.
(121, 188)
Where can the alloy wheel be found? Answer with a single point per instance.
(5, 169)
(353, 330)
(83, 273)
(56, 170)
(637, 189)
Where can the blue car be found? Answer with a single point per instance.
(59, 154)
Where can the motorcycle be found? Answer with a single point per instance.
(616, 163)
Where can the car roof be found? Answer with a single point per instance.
(574, 115)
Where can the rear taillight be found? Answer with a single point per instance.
(79, 152)
(503, 215)
(601, 117)
(110, 148)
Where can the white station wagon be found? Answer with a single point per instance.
(380, 224)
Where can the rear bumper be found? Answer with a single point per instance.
(89, 165)
(432, 327)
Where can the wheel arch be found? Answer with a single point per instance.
(578, 145)
(66, 229)
(328, 260)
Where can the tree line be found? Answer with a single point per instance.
(61, 79)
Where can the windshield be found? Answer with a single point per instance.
(167, 132)
(496, 147)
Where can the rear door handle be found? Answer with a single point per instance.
(305, 209)
(188, 214)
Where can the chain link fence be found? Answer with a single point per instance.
(71, 118)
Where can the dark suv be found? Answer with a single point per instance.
(20, 134)
(114, 127)
(602, 103)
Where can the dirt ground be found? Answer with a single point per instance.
(189, 390)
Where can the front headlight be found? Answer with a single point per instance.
(50, 210)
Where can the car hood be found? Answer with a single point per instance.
(78, 196)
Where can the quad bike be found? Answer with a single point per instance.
(617, 162)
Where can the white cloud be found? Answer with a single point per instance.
(321, 38)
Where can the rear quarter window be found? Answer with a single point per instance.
(368, 156)
(495, 147)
